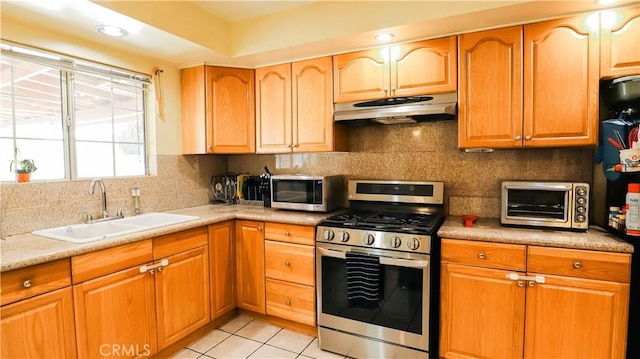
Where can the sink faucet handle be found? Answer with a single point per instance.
(119, 213)
(88, 218)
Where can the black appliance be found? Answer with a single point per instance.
(619, 112)
(394, 313)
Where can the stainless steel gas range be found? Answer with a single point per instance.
(377, 271)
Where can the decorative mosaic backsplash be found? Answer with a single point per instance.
(418, 152)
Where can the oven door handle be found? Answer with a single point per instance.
(410, 263)
(332, 253)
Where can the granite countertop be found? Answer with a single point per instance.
(28, 249)
(490, 230)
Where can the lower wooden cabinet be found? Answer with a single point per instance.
(222, 258)
(489, 312)
(116, 316)
(250, 266)
(181, 284)
(290, 272)
(39, 327)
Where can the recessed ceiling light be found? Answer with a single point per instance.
(606, 2)
(384, 37)
(112, 30)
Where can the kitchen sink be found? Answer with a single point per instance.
(83, 233)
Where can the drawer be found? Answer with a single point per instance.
(290, 233)
(580, 263)
(96, 264)
(291, 301)
(175, 243)
(485, 254)
(290, 262)
(30, 281)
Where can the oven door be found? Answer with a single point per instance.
(402, 314)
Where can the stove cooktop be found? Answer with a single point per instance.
(410, 223)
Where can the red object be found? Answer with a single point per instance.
(469, 219)
(615, 143)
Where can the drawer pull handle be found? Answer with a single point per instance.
(520, 284)
(481, 255)
(287, 263)
(288, 302)
(577, 265)
(532, 283)
(287, 234)
(27, 283)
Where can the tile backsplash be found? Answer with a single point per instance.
(181, 181)
(414, 152)
(428, 152)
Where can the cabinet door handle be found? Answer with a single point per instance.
(535, 279)
(577, 265)
(287, 263)
(259, 229)
(481, 255)
(520, 284)
(527, 137)
(288, 301)
(151, 269)
(287, 234)
(518, 138)
(27, 283)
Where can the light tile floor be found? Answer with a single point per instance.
(244, 337)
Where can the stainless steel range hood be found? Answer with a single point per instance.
(398, 110)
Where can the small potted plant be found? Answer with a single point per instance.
(23, 169)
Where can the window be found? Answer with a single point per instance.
(74, 118)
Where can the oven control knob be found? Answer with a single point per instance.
(580, 218)
(369, 239)
(413, 244)
(581, 191)
(581, 200)
(344, 236)
(328, 234)
(395, 242)
(581, 209)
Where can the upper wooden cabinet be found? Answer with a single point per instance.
(531, 86)
(619, 50)
(294, 109)
(217, 110)
(417, 68)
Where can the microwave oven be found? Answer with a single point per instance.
(545, 204)
(307, 193)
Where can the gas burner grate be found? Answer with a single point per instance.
(389, 222)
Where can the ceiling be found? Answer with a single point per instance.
(255, 33)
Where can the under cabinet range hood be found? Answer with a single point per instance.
(396, 110)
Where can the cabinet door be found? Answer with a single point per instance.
(362, 75)
(182, 295)
(230, 115)
(490, 90)
(561, 83)
(424, 67)
(39, 327)
(114, 312)
(482, 313)
(576, 318)
(250, 266)
(620, 53)
(273, 109)
(313, 125)
(192, 109)
(222, 255)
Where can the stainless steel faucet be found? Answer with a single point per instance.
(103, 190)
